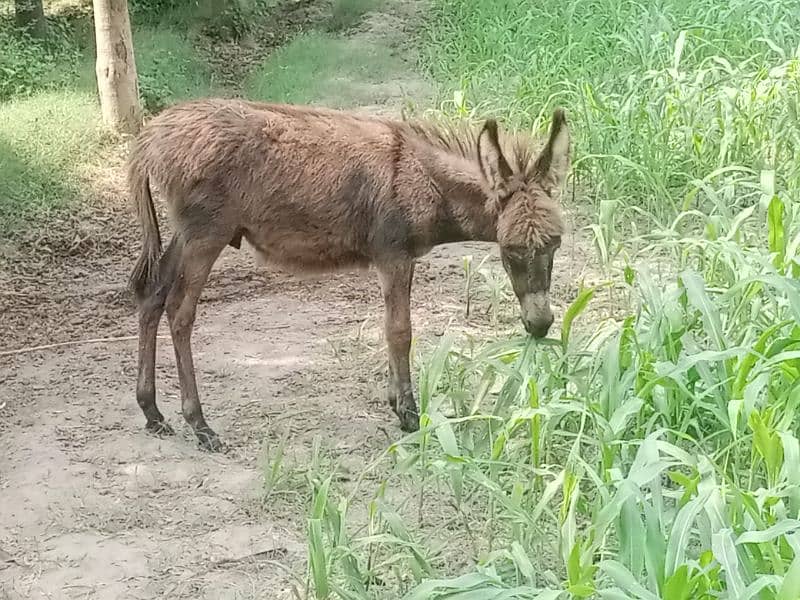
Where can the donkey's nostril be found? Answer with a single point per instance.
(540, 327)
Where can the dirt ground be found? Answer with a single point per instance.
(93, 507)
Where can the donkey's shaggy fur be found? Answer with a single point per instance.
(314, 189)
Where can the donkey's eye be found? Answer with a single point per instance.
(517, 255)
(514, 260)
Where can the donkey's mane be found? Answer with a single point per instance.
(544, 217)
(520, 149)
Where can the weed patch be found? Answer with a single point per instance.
(42, 140)
(347, 13)
(169, 69)
(317, 67)
(49, 119)
(661, 96)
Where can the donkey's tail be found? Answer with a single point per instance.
(145, 272)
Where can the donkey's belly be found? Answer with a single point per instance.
(305, 253)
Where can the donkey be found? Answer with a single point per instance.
(316, 190)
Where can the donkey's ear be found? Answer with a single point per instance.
(553, 163)
(494, 167)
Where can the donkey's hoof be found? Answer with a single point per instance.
(159, 428)
(409, 420)
(209, 441)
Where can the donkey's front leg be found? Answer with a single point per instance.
(395, 280)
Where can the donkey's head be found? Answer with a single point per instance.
(529, 222)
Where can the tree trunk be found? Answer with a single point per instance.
(30, 16)
(117, 83)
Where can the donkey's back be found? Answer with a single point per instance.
(302, 185)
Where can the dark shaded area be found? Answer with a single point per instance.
(29, 15)
(28, 189)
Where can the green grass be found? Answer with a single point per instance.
(50, 121)
(220, 19)
(28, 65)
(653, 456)
(43, 140)
(46, 102)
(347, 13)
(169, 69)
(661, 95)
(320, 67)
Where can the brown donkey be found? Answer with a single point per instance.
(316, 190)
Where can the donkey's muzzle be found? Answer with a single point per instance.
(540, 327)
(537, 316)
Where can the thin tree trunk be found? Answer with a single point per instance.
(117, 83)
(30, 16)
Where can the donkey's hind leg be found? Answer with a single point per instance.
(151, 307)
(197, 258)
(396, 278)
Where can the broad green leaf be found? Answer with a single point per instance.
(776, 235)
(445, 435)
(735, 408)
(432, 374)
(792, 249)
(739, 220)
(768, 444)
(426, 589)
(783, 285)
(722, 545)
(317, 560)
(699, 299)
(767, 535)
(320, 499)
(550, 490)
(655, 546)
(689, 485)
(681, 533)
(749, 360)
(791, 453)
(625, 580)
(574, 571)
(678, 49)
(767, 181)
(631, 533)
(789, 472)
(573, 312)
(523, 563)
(619, 420)
(782, 357)
(755, 589)
(790, 589)
(611, 510)
(498, 445)
(581, 590)
(678, 586)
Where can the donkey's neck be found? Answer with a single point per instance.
(462, 213)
